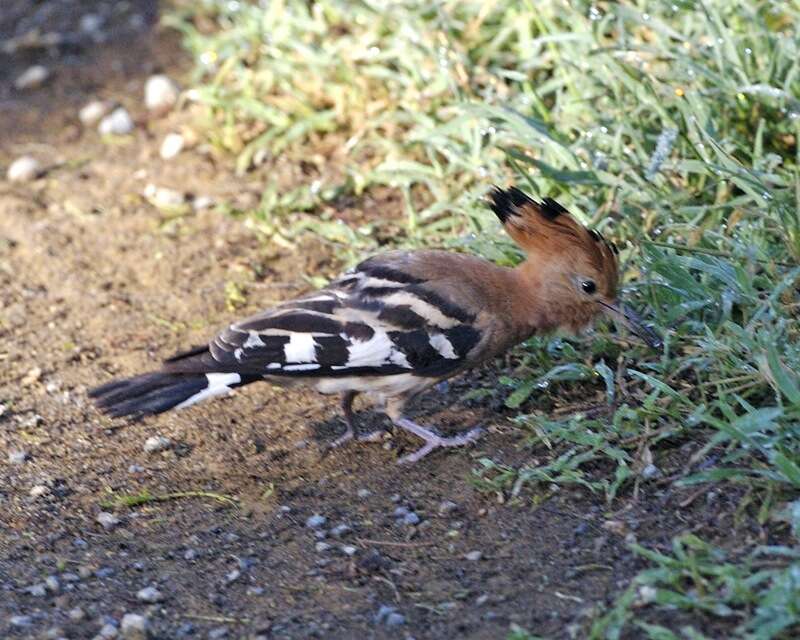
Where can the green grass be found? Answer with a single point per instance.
(670, 126)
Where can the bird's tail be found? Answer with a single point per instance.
(161, 391)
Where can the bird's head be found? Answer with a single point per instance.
(574, 268)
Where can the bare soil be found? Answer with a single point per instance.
(96, 282)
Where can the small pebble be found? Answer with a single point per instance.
(91, 23)
(25, 169)
(52, 583)
(17, 456)
(160, 93)
(135, 468)
(107, 520)
(201, 203)
(647, 594)
(108, 631)
(349, 550)
(316, 521)
(38, 491)
(171, 146)
(155, 444)
(401, 512)
(481, 600)
(162, 197)
(116, 123)
(94, 111)
(37, 590)
(395, 619)
(32, 78)
(233, 576)
(322, 547)
(70, 577)
(189, 554)
(474, 556)
(77, 614)
(133, 627)
(149, 594)
(389, 616)
(446, 507)
(364, 493)
(20, 621)
(219, 632)
(411, 519)
(340, 530)
(650, 471)
(395, 497)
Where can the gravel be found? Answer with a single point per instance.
(24, 169)
(116, 123)
(474, 556)
(154, 444)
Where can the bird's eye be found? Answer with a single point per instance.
(588, 286)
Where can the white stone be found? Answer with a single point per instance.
(107, 520)
(133, 626)
(116, 123)
(38, 491)
(32, 78)
(17, 456)
(160, 93)
(163, 197)
(91, 23)
(24, 169)
(156, 443)
(94, 111)
(171, 146)
(149, 594)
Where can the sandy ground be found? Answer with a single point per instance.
(96, 282)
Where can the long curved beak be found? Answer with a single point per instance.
(630, 319)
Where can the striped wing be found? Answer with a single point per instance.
(375, 320)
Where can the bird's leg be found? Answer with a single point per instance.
(349, 418)
(432, 439)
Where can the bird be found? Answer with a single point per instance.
(403, 321)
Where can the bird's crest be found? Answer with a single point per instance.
(546, 231)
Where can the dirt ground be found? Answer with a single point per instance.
(96, 282)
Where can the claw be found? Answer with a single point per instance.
(433, 440)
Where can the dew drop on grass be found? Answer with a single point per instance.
(594, 13)
(748, 51)
(645, 17)
(543, 384)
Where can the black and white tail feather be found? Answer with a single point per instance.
(377, 323)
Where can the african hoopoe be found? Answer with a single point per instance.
(402, 321)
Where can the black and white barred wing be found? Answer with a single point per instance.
(363, 324)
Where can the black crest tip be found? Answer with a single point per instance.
(551, 209)
(504, 202)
